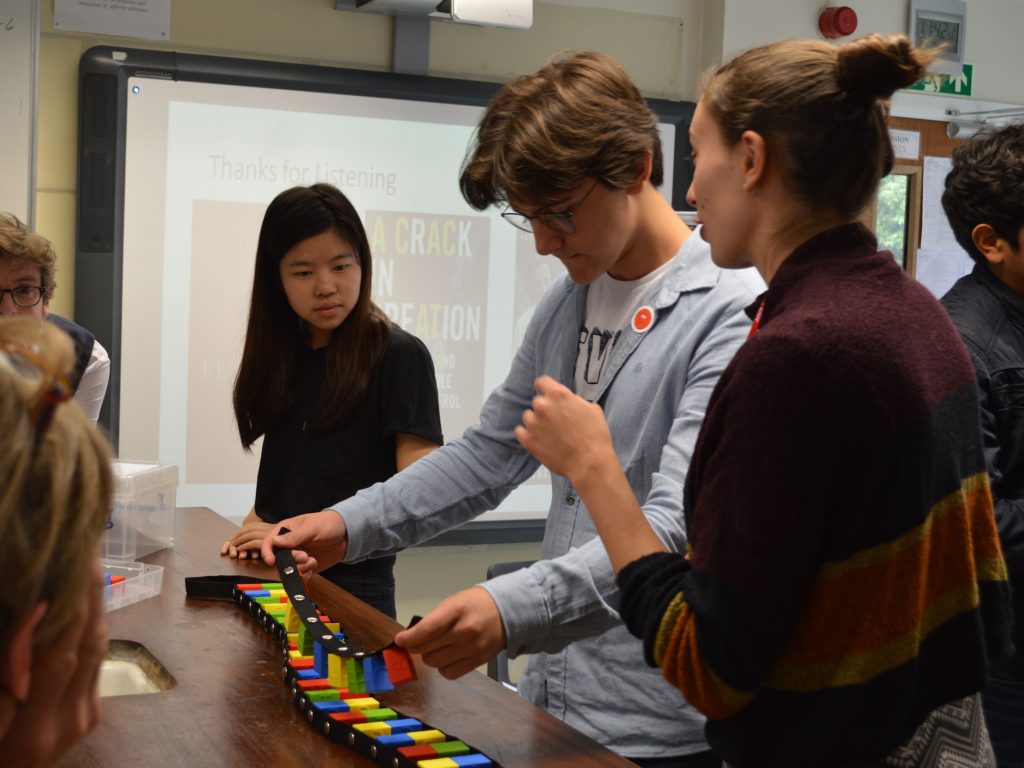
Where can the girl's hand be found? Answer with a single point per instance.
(565, 433)
(246, 543)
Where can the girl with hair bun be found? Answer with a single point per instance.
(342, 397)
(844, 583)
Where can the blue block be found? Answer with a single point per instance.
(308, 674)
(320, 655)
(258, 593)
(472, 761)
(404, 725)
(376, 674)
(331, 706)
(396, 740)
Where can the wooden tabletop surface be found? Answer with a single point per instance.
(229, 706)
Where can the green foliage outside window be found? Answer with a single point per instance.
(891, 216)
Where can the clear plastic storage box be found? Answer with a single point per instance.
(142, 515)
(130, 582)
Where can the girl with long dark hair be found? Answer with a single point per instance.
(342, 397)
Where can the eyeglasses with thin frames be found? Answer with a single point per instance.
(23, 295)
(556, 222)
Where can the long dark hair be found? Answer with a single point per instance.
(265, 385)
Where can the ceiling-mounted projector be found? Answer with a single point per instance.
(515, 14)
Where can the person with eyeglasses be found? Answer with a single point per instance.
(27, 266)
(643, 325)
(57, 489)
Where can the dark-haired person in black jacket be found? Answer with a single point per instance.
(984, 202)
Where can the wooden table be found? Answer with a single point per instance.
(229, 706)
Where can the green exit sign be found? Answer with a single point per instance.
(947, 85)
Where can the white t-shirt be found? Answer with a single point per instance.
(611, 304)
(93, 385)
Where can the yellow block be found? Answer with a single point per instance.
(337, 676)
(437, 762)
(426, 737)
(291, 619)
(365, 703)
(373, 730)
(297, 655)
(332, 626)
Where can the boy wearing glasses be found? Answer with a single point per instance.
(644, 326)
(27, 264)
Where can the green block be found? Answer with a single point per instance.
(356, 678)
(328, 694)
(305, 641)
(386, 713)
(446, 748)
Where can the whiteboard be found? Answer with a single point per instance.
(19, 63)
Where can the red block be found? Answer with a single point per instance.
(348, 717)
(399, 665)
(314, 685)
(419, 752)
(303, 663)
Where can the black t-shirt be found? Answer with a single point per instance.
(302, 470)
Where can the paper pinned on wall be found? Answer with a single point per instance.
(19, 62)
(937, 270)
(936, 234)
(147, 19)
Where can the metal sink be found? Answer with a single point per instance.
(131, 669)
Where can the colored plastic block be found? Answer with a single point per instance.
(384, 713)
(336, 673)
(399, 665)
(473, 761)
(427, 737)
(312, 684)
(291, 619)
(329, 694)
(363, 703)
(320, 656)
(356, 679)
(373, 730)
(451, 748)
(375, 675)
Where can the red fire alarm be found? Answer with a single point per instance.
(837, 22)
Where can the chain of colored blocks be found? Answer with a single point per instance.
(334, 692)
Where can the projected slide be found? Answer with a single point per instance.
(202, 161)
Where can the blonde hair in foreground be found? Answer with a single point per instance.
(55, 496)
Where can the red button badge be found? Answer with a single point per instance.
(643, 319)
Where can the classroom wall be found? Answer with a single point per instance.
(664, 44)
(993, 33)
(651, 46)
